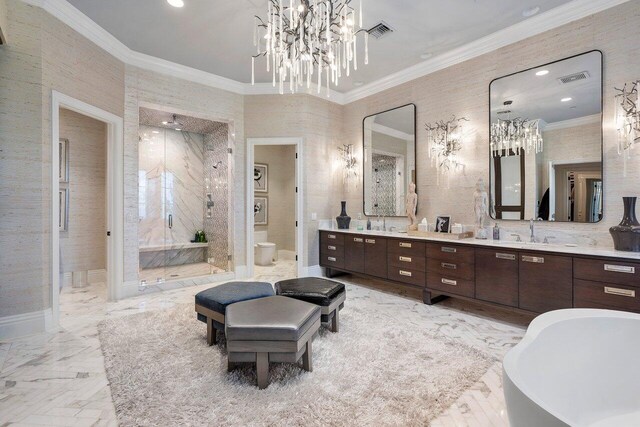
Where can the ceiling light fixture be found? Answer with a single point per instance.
(542, 73)
(511, 136)
(304, 39)
(176, 3)
(530, 11)
(567, 99)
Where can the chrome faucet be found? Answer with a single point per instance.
(531, 228)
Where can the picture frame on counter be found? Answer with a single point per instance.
(443, 224)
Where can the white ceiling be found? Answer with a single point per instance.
(216, 36)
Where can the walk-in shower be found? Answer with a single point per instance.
(183, 197)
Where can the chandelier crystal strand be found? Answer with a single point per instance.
(307, 37)
(516, 135)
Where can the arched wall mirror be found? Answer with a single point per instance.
(546, 142)
(389, 155)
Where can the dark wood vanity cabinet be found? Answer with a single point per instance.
(546, 282)
(497, 276)
(533, 281)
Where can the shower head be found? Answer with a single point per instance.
(174, 123)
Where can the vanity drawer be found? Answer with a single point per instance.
(330, 238)
(332, 260)
(332, 249)
(447, 252)
(450, 284)
(587, 294)
(407, 247)
(405, 275)
(621, 273)
(410, 262)
(451, 268)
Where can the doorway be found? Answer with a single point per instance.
(63, 198)
(274, 208)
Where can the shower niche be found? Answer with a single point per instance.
(183, 197)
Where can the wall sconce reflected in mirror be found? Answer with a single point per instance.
(445, 141)
(349, 163)
(627, 119)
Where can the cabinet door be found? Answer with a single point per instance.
(354, 253)
(497, 276)
(546, 282)
(375, 257)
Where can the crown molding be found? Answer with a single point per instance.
(553, 18)
(561, 15)
(269, 89)
(579, 121)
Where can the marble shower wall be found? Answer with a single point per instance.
(216, 226)
(463, 90)
(171, 182)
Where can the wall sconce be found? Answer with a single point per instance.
(445, 141)
(349, 162)
(627, 119)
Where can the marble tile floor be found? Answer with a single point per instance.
(59, 378)
(280, 270)
(177, 272)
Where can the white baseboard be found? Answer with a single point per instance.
(67, 279)
(313, 271)
(25, 324)
(98, 276)
(287, 255)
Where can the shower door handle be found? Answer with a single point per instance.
(170, 221)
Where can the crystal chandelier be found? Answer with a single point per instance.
(445, 141)
(305, 41)
(512, 136)
(628, 119)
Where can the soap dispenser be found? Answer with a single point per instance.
(496, 232)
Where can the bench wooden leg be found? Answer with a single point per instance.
(231, 366)
(306, 357)
(262, 368)
(335, 322)
(211, 332)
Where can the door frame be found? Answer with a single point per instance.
(114, 190)
(299, 167)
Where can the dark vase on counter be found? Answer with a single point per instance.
(626, 235)
(343, 219)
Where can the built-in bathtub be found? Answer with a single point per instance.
(577, 367)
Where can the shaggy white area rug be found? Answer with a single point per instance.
(380, 369)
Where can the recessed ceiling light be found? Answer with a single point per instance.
(176, 3)
(155, 131)
(426, 55)
(178, 129)
(530, 11)
(542, 73)
(567, 99)
(358, 83)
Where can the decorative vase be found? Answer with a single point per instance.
(343, 219)
(626, 235)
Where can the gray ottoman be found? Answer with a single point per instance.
(212, 303)
(272, 329)
(328, 294)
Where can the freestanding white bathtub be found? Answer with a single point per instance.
(576, 367)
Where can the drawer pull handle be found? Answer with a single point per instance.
(448, 265)
(511, 257)
(357, 239)
(331, 236)
(372, 241)
(331, 248)
(621, 292)
(448, 249)
(619, 268)
(534, 259)
(405, 245)
(332, 259)
(450, 282)
(405, 259)
(405, 273)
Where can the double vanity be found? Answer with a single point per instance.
(528, 277)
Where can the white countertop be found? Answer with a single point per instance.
(506, 244)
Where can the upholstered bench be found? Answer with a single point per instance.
(212, 303)
(272, 329)
(328, 294)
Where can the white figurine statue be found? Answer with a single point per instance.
(481, 209)
(412, 203)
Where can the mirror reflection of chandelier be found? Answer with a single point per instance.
(511, 136)
(305, 41)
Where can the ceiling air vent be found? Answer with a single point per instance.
(380, 29)
(583, 75)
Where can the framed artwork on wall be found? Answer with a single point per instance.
(63, 154)
(261, 178)
(260, 210)
(63, 217)
(443, 224)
